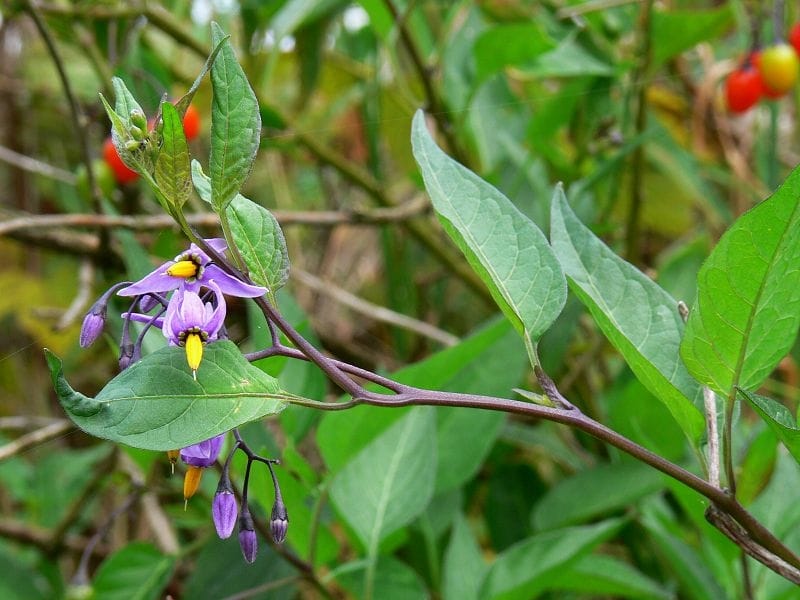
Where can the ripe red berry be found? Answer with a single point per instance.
(743, 88)
(121, 171)
(794, 37)
(191, 123)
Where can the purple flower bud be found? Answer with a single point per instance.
(126, 352)
(224, 511)
(147, 303)
(279, 521)
(247, 536)
(92, 328)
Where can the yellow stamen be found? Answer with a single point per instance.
(183, 269)
(191, 481)
(173, 455)
(194, 352)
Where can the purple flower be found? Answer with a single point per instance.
(224, 511)
(190, 270)
(191, 323)
(203, 454)
(279, 521)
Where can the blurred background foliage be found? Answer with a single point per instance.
(619, 100)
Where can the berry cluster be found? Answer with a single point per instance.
(768, 73)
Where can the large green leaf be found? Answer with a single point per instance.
(137, 572)
(509, 44)
(675, 31)
(504, 247)
(172, 164)
(155, 403)
(391, 480)
(779, 419)
(257, 235)
(235, 124)
(463, 565)
(518, 568)
(392, 580)
(747, 311)
(598, 575)
(634, 313)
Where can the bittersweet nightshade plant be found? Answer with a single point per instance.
(722, 349)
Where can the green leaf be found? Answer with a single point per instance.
(257, 234)
(504, 247)
(391, 480)
(779, 419)
(172, 164)
(183, 103)
(235, 125)
(155, 404)
(518, 568)
(634, 313)
(509, 44)
(675, 31)
(125, 103)
(594, 492)
(137, 572)
(604, 576)
(568, 59)
(393, 580)
(747, 311)
(463, 565)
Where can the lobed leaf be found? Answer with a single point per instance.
(172, 165)
(155, 404)
(638, 317)
(502, 245)
(235, 124)
(747, 311)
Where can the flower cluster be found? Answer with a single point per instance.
(193, 315)
(224, 508)
(185, 298)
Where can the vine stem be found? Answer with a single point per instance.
(405, 395)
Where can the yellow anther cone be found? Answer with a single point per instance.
(183, 269)
(194, 352)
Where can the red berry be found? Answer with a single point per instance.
(121, 171)
(794, 37)
(191, 123)
(743, 88)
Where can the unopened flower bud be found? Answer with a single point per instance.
(138, 119)
(224, 511)
(147, 303)
(132, 145)
(247, 536)
(126, 351)
(279, 521)
(92, 328)
(136, 133)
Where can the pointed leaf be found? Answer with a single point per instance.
(634, 313)
(125, 103)
(172, 164)
(778, 418)
(155, 404)
(136, 572)
(504, 247)
(257, 234)
(235, 125)
(391, 480)
(747, 311)
(183, 103)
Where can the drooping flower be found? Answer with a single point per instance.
(247, 536)
(224, 511)
(190, 270)
(92, 327)
(191, 323)
(198, 457)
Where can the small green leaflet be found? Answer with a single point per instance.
(779, 419)
(172, 164)
(155, 404)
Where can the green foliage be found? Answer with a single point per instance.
(746, 315)
(155, 404)
(505, 248)
(172, 165)
(138, 572)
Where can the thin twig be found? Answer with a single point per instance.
(40, 436)
(33, 165)
(81, 300)
(373, 311)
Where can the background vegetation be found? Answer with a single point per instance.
(621, 101)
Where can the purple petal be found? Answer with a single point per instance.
(190, 313)
(224, 512)
(155, 282)
(91, 329)
(216, 319)
(158, 322)
(203, 454)
(232, 286)
(249, 544)
(169, 327)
